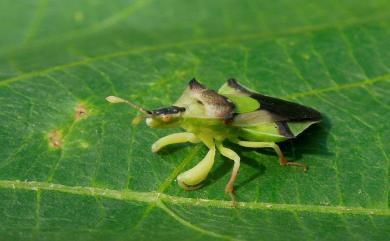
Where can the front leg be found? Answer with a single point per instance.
(174, 139)
(283, 161)
(192, 178)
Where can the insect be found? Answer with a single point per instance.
(234, 113)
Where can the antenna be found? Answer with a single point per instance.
(116, 100)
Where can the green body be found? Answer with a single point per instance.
(261, 128)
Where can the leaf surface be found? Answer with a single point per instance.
(73, 167)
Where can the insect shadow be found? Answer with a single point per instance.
(169, 150)
(313, 141)
(256, 165)
(226, 167)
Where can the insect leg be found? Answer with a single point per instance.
(191, 179)
(283, 161)
(174, 139)
(233, 156)
(229, 153)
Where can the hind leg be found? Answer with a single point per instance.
(283, 161)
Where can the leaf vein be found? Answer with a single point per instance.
(142, 49)
(337, 88)
(187, 224)
(153, 197)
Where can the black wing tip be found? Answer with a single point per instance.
(308, 114)
(194, 84)
(290, 110)
(316, 115)
(313, 114)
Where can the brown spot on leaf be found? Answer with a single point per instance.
(55, 138)
(81, 111)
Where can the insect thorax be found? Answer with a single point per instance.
(216, 128)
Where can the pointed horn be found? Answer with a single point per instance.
(115, 100)
(194, 84)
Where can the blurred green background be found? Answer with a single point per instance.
(72, 166)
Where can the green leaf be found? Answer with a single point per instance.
(72, 167)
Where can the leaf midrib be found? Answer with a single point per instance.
(155, 197)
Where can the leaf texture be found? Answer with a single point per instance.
(73, 167)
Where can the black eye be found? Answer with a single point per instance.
(168, 110)
(177, 109)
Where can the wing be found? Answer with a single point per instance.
(255, 117)
(286, 110)
(254, 109)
